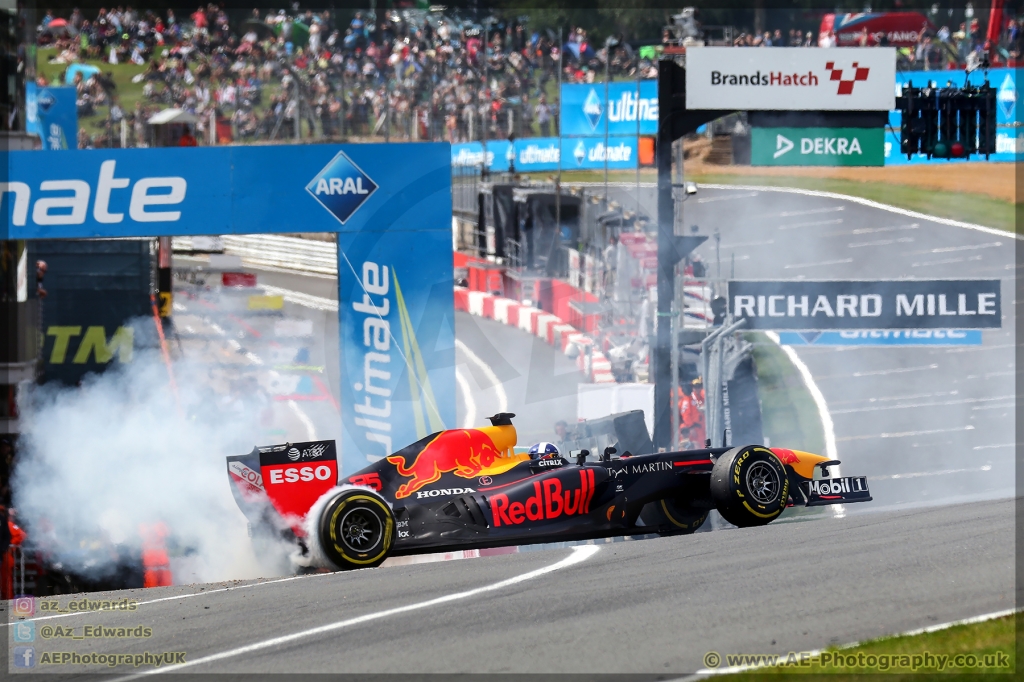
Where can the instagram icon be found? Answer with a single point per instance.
(24, 607)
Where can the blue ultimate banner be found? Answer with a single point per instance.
(52, 114)
(534, 154)
(389, 203)
(585, 111)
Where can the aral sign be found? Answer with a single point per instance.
(817, 147)
(797, 78)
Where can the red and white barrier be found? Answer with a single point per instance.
(543, 325)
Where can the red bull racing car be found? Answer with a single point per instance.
(467, 488)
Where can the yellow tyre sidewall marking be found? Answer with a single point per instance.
(680, 524)
(785, 484)
(387, 532)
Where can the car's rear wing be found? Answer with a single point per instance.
(290, 477)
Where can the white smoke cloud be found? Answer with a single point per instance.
(98, 460)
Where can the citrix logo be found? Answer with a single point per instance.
(55, 207)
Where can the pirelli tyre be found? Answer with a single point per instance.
(357, 529)
(749, 486)
(673, 516)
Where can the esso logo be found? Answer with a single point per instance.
(296, 474)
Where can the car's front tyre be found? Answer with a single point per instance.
(749, 486)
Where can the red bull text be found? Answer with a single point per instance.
(548, 502)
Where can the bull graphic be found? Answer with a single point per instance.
(464, 452)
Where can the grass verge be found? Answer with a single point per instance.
(960, 653)
(788, 412)
(970, 208)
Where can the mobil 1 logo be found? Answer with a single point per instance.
(858, 304)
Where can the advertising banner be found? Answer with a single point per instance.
(538, 154)
(884, 337)
(397, 329)
(791, 78)
(471, 154)
(52, 114)
(898, 29)
(590, 152)
(585, 111)
(881, 304)
(817, 147)
(1009, 135)
(223, 190)
(389, 203)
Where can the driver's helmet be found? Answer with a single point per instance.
(543, 451)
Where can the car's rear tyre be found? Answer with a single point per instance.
(673, 516)
(749, 486)
(357, 530)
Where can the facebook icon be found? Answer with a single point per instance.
(24, 657)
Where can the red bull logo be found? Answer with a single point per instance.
(548, 502)
(463, 452)
(786, 456)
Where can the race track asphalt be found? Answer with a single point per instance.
(641, 607)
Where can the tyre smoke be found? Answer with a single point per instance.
(99, 460)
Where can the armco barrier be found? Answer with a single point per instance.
(544, 325)
(277, 251)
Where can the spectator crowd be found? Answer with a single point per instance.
(411, 75)
(407, 75)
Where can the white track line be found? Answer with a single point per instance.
(871, 204)
(895, 370)
(488, 372)
(794, 266)
(826, 195)
(708, 672)
(467, 395)
(816, 394)
(579, 554)
(838, 511)
(920, 474)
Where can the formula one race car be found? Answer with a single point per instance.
(467, 489)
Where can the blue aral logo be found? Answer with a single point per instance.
(1007, 96)
(592, 109)
(580, 153)
(341, 187)
(45, 100)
